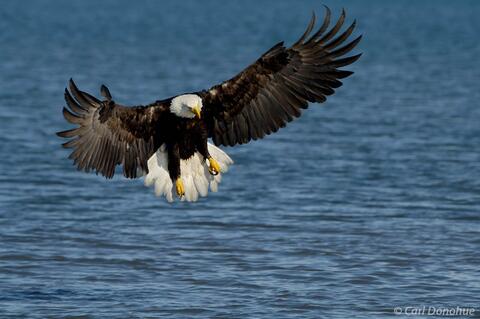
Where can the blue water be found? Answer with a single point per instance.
(366, 203)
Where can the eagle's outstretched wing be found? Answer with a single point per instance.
(110, 134)
(271, 92)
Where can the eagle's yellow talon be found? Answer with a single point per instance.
(179, 187)
(214, 167)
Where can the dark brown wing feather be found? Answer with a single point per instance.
(109, 134)
(273, 90)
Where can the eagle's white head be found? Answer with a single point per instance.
(187, 106)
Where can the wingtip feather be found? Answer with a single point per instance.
(105, 92)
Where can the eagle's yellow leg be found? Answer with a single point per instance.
(214, 167)
(179, 187)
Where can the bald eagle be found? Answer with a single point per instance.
(167, 141)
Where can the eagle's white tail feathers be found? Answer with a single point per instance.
(194, 174)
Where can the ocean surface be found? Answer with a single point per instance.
(368, 202)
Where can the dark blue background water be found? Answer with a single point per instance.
(366, 203)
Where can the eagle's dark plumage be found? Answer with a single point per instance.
(272, 91)
(258, 101)
(110, 134)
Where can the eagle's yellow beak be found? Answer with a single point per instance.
(196, 110)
